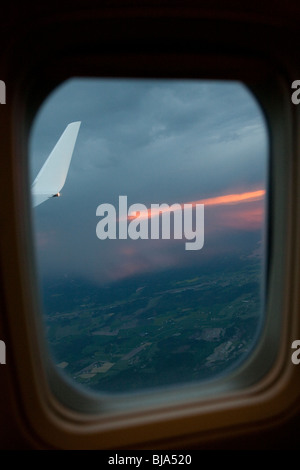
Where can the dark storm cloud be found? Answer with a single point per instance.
(153, 141)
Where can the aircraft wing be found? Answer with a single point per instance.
(52, 176)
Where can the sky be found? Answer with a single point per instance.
(154, 141)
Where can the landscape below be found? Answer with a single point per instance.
(154, 330)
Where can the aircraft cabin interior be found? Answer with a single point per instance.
(152, 102)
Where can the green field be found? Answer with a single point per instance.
(154, 330)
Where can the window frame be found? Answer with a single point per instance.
(244, 402)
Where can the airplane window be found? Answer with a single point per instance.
(151, 263)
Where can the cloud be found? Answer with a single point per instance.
(155, 141)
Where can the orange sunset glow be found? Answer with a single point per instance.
(233, 198)
(229, 199)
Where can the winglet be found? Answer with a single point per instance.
(52, 176)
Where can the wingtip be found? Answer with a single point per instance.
(51, 178)
(74, 125)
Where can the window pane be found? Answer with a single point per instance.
(151, 262)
